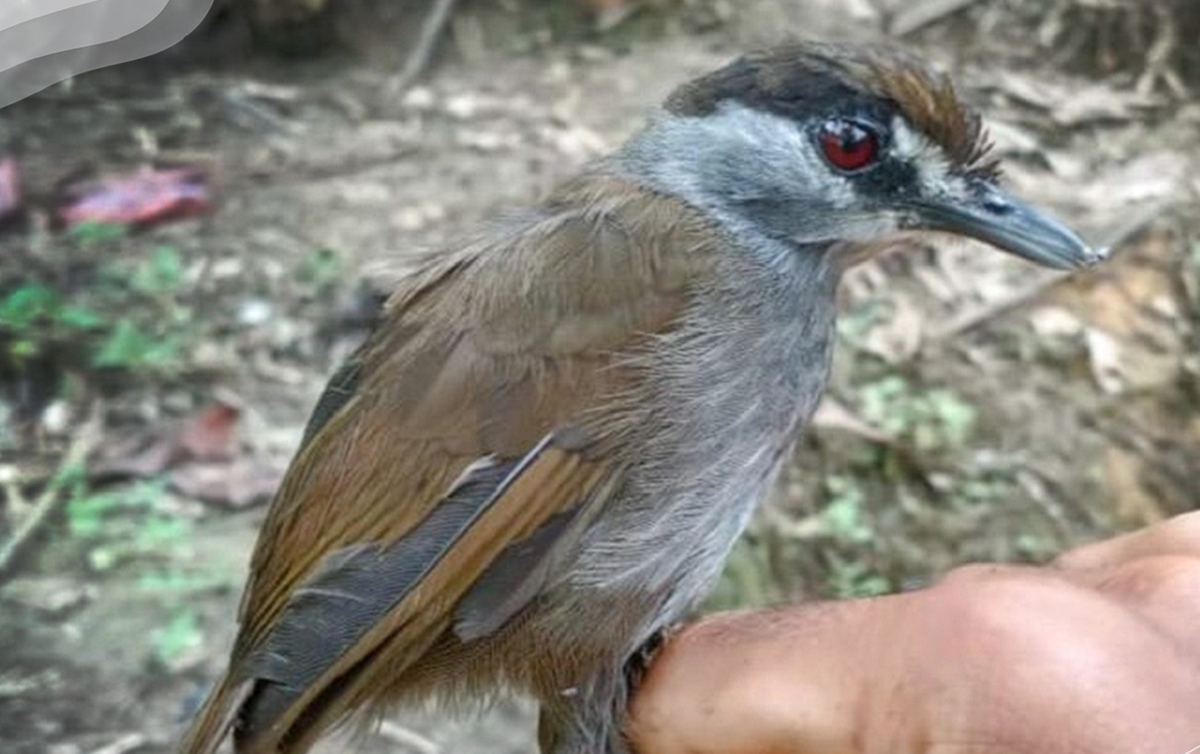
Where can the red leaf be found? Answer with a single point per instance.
(234, 485)
(144, 197)
(142, 455)
(210, 435)
(10, 187)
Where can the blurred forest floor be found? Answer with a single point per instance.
(154, 381)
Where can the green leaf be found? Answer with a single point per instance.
(161, 273)
(956, 415)
(27, 304)
(856, 324)
(128, 346)
(91, 233)
(881, 403)
(942, 420)
(179, 637)
(124, 346)
(849, 578)
(934, 420)
(79, 317)
(842, 517)
(88, 512)
(322, 267)
(156, 531)
(23, 349)
(85, 522)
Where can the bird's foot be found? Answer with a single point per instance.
(639, 662)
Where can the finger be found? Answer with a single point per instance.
(787, 681)
(1163, 589)
(1022, 659)
(1176, 536)
(1153, 571)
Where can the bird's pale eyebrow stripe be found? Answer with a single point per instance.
(936, 175)
(931, 104)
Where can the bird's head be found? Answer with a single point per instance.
(823, 145)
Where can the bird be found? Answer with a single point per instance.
(541, 455)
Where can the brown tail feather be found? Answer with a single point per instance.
(215, 719)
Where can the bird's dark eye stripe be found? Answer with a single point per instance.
(849, 145)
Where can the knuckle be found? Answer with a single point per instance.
(1011, 611)
(1165, 590)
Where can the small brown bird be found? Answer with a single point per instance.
(547, 447)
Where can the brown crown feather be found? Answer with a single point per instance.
(930, 103)
(795, 79)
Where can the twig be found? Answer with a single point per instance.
(992, 309)
(300, 173)
(1036, 488)
(974, 318)
(833, 414)
(246, 111)
(125, 743)
(1158, 59)
(12, 493)
(916, 16)
(47, 502)
(418, 59)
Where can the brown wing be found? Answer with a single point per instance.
(463, 425)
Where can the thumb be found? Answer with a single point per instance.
(788, 681)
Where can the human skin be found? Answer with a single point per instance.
(1097, 652)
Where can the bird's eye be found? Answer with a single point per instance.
(848, 145)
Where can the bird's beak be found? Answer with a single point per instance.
(992, 216)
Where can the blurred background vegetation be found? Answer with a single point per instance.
(189, 243)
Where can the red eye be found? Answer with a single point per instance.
(847, 145)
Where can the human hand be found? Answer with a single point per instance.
(1098, 652)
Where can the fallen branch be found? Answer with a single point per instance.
(1158, 59)
(915, 16)
(431, 31)
(125, 743)
(41, 510)
(990, 310)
